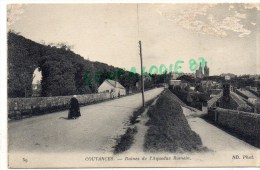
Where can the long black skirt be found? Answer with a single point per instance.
(74, 113)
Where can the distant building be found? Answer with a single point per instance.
(206, 70)
(251, 88)
(147, 80)
(183, 85)
(228, 74)
(207, 84)
(113, 87)
(192, 88)
(174, 82)
(226, 93)
(251, 98)
(174, 76)
(147, 77)
(200, 73)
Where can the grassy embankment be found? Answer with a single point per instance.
(125, 141)
(169, 129)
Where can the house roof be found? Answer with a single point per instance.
(115, 84)
(247, 93)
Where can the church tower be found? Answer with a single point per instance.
(206, 70)
(199, 73)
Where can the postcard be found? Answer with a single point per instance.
(94, 85)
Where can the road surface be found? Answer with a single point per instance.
(94, 131)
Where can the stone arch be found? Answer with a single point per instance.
(24, 56)
(62, 70)
(36, 82)
(20, 66)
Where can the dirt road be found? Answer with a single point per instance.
(214, 138)
(92, 132)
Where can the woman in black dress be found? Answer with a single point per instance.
(74, 111)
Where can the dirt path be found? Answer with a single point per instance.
(94, 131)
(138, 145)
(214, 138)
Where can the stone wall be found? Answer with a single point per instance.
(245, 124)
(19, 107)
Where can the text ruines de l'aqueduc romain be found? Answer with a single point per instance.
(143, 158)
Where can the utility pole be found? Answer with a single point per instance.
(142, 77)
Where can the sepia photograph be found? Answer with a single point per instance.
(115, 85)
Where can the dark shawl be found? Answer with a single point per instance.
(74, 108)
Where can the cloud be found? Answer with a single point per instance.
(233, 24)
(204, 19)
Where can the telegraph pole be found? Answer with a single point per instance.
(140, 53)
(142, 77)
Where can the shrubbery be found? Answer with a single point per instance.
(191, 99)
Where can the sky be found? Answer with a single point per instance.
(225, 35)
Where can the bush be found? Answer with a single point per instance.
(191, 99)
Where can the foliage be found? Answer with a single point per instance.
(62, 70)
(218, 79)
(62, 76)
(242, 81)
(187, 79)
(193, 99)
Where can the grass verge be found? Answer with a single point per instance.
(125, 141)
(134, 118)
(169, 129)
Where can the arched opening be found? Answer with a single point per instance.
(36, 83)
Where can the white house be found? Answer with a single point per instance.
(113, 87)
(174, 82)
(192, 88)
